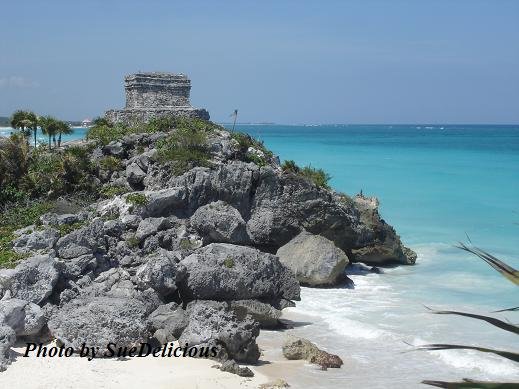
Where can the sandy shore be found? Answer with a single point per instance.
(75, 372)
(79, 373)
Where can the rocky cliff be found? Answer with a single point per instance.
(185, 255)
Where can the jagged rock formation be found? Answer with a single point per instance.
(193, 260)
(152, 95)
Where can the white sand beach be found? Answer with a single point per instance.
(74, 372)
(79, 373)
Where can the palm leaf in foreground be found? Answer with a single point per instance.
(507, 271)
(505, 354)
(491, 320)
(508, 309)
(466, 383)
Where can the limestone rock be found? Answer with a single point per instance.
(73, 268)
(86, 240)
(220, 222)
(378, 243)
(7, 339)
(165, 202)
(37, 240)
(161, 273)
(135, 175)
(231, 366)
(32, 280)
(265, 314)
(99, 320)
(214, 324)
(300, 348)
(151, 226)
(25, 318)
(223, 271)
(314, 259)
(114, 148)
(169, 318)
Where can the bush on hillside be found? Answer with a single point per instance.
(316, 176)
(185, 148)
(13, 218)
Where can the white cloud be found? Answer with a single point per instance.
(17, 82)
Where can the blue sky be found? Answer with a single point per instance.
(366, 61)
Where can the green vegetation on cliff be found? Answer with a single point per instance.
(317, 176)
(185, 149)
(14, 218)
(32, 179)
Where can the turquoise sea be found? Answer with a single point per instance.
(78, 133)
(437, 185)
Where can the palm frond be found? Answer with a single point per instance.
(436, 347)
(508, 309)
(491, 320)
(466, 383)
(507, 271)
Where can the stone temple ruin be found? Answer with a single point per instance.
(151, 95)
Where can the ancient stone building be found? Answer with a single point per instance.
(150, 95)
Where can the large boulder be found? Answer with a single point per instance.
(108, 309)
(99, 320)
(25, 318)
(220, 222)
(32, 280)
(222, 271)
(212, 323)
(314, 259)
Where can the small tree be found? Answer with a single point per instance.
(63, 129)
(49, 126)
(26, 122)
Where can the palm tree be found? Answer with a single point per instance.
(65, 129)
(33, 118)
(49, 126)
(26, 122)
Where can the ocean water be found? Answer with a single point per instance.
(437, 185)
(78, 133)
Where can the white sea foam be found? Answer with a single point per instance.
(379, 321)
(474, 362)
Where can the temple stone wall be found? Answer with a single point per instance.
(134, 116)
(151, 95)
